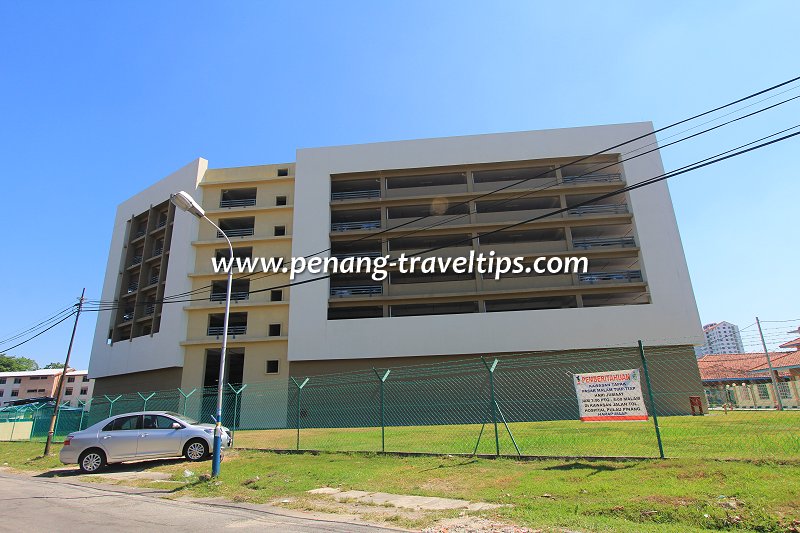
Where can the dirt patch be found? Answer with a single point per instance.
(475, 524)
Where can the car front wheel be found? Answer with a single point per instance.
(196, 450)
(91, 461)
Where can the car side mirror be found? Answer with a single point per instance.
(175, 425)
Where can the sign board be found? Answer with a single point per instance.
(610, 396)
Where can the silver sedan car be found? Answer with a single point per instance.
(143, 435)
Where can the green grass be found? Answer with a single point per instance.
(587, 495)
(736, 435)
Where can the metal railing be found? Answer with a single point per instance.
(347, 195)
(157, 252)
(127, 316)
(220, 296)
(161, 223)
(589, 178)
(153, 279)
(149, 310)
(627, 276)
(139, 233)
(356, 290)
(232, 330)
(239, 232)
(137, 259)
(238, 203)
(602, 209)
(133, 286)
(345, 226)
(357, 254)
(599, 242)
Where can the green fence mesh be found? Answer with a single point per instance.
(510, 405)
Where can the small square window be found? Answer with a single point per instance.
(272, 366)
(17, 381)
(2, 381)
(280, 200)
(84, 391)
(280, 231)
(85, 379)
(2, 392)
(71, 379)
(68, 391)
(15, 392)
(283, 172)
(276, 296)
(274, 330)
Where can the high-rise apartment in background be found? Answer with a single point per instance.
(384, 199)
(721, 337)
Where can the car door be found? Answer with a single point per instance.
(158, 438)
(120, 437)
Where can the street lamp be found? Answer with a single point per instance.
(185, 202)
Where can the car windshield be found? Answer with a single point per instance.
(188, 419)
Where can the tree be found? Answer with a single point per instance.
(9, 363)
(54, 365)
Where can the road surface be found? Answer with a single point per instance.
(34, 504)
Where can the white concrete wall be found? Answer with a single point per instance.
(671, 317)
(161, 350)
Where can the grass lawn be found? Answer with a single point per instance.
(736, 435)
(587, 495)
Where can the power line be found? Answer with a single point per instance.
(40, 333)
(37, 326)
(683, 121)
(722, 156)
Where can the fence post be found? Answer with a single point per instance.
(299, 395)
(185, 398)
(652, 401)
(144, 400)
(493, 404)
(82, 404)
(58, 417)
(383, 424)
(111, 402)
(235, 407)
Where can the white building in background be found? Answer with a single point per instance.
(721, 337)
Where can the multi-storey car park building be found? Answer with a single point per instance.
(385, 199)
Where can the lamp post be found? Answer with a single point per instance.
(185, 202)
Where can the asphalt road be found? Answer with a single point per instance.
(34, 504)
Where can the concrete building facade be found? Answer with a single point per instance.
(721, 337)
(457, 195)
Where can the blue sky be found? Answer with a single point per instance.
(100, 99)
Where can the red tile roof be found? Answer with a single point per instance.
(791, 344)
(743, 366)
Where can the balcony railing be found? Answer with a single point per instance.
(220, 296)
(624, 276)
(232, 330)
(357, 254)
(128, 315)
(139, 233)
(133, 286)
(157, 252)
(600, 242)
(239, 232)
(356, 290)
(153, 279)
(245, 202)
(602, 209)
(589, 178)
(347, 195)
(149, 310)
(346, 226)
(161, 223)
(136, 260)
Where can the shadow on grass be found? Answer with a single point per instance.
(463, 463)
(595, 468)
(116, 468)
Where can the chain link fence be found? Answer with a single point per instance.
(516, 405)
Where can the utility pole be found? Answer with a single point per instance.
(771, 370)
(60, 386)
